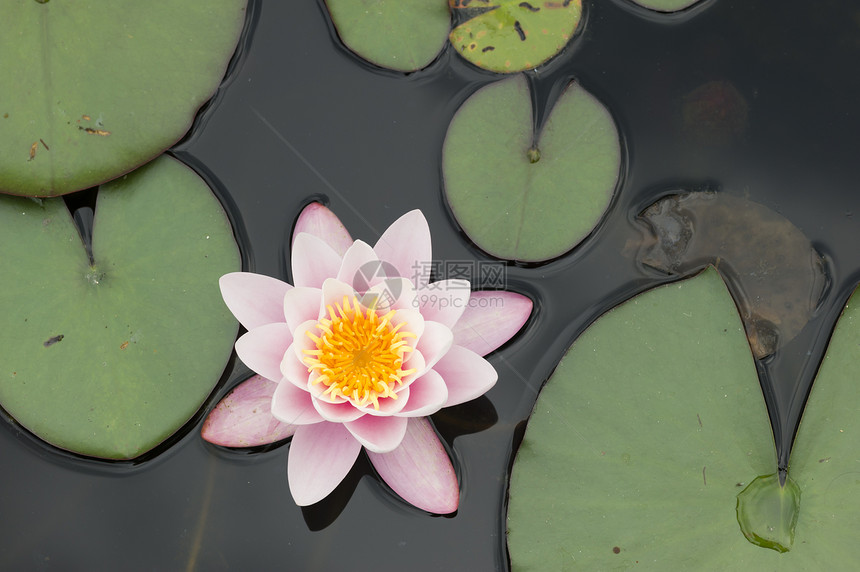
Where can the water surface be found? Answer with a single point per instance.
(756, 98)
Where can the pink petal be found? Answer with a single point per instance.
(419, 470)
(318, 390)
(444, 301)
(313, 260)
(320, 457)
(414, 361)
(244, 417)
(406, 245)
(336, 412)
(293, 405)
(491, 319)
(378, 434)
(319, 221)
(333, 293)
(254, 299)
(300, 305)
(388, 405)
(358, 261)
(301, 342)
(294, 370)
(391, 294)
(263, 348)
(467, 375)
(413, 322)
(297, 373)
(434, 342)
(427, 395)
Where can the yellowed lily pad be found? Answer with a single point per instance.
(508, 36)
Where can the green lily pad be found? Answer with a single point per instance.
(102, 87)
(824, 457)
(523, 196)
(507, 36)
(110, 358)
(402, 35)
(666, 5)
(646, 448)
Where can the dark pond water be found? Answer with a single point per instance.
(300, 118)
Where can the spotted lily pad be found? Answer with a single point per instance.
(526, 196)
(403, 35)
(650, 448)
(511, 35)
(102, 87)
(503, 36)
(109, 358)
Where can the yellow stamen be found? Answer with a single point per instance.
(359, 355)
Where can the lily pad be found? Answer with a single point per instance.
(109, 358)
(526, 196)
(101, 88)
(650, 448)
(507, 36)
(402, 35)
(824, 457)
(666, 5)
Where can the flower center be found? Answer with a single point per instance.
(359, 354)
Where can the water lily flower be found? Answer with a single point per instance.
(356, 354)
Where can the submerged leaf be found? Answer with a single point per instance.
(649, 447)
(109, 358)
(774, 272)
(403, 35)
(102, 87)
(524, 196)
(507, 36)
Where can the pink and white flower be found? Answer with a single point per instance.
(356, 354)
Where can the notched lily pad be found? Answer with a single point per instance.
(649, 447)
(824, 456)
(526, 196)
(774, 272)
(507, 36)
(403, 35)
(640, 439)
(101, 88)
(110, 358)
